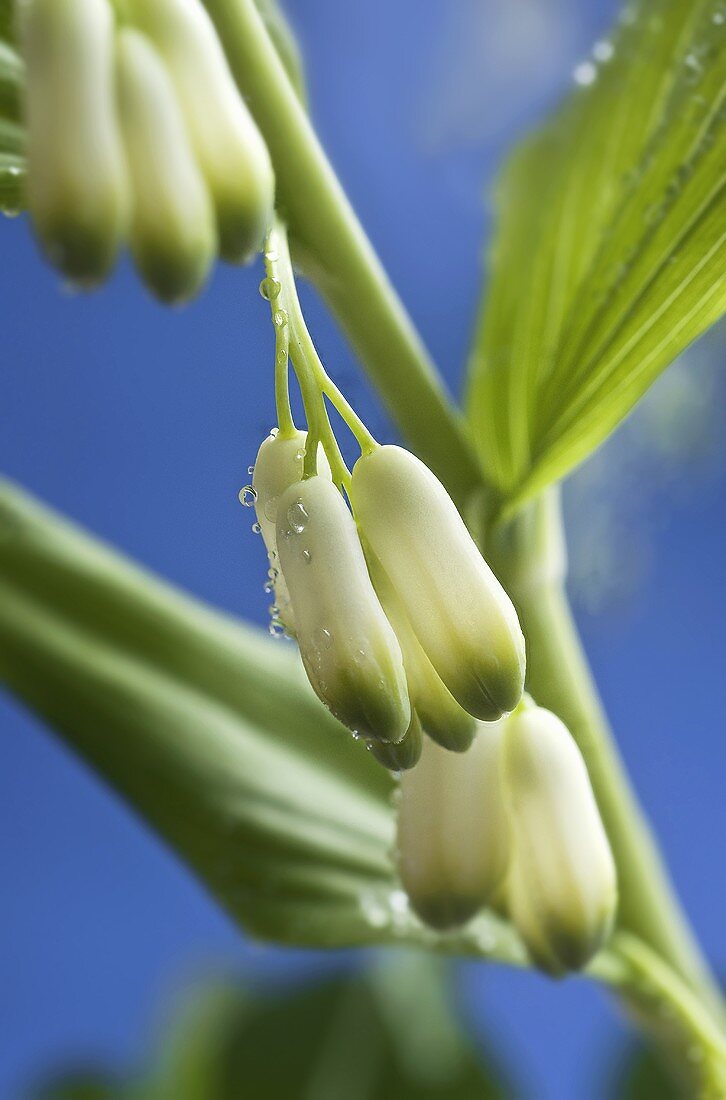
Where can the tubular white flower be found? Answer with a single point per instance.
(77, 193)
(279, 464)
(463, 618)
(441, 716)
(173, 236)
(453, 833)
(229, 147)
(563, 888)
(348, 647)
(402, 755)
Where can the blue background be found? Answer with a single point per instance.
(140, 423)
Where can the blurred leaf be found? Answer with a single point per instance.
(390, 1034)
(7, 20)
(643, 1077)
(211, 731)
(208, 728)
(610, 252)
(79, 1085)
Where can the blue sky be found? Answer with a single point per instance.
(140, 423)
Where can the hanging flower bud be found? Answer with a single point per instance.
(76, 180)
(279, 464)
(562, 888)
(348, 647)
(173, 236)
(453, 835)
(229, 147)
(404, 754)
(461, 615)
(440, 714)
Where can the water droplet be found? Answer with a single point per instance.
(297, 517)
(274, 611)
(256, 529)
(250, 470)
(307, 556)
(280, 318)
(323, 638)
(273, 574)
(374, 911)
(585, 73)
(603, 50)
(277, 629)
(274, 432)
(269, 289)
(248, 496)
(694, 69)
(272, 256)
(268, 587)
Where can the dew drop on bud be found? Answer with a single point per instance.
(256, 529)
(297, 517)
(248, 496)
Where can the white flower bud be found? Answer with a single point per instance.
(279, 464)
(173, 235)
(461, 615)
(441, 716)
(76, 186)
(562, 887)
(404, 754)
(229, 147)
(453, 834)
(348, 647)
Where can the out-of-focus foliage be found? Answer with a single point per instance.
(610, 251)
(388, 1034)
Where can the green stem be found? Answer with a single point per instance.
(334, 251)
(529, 558)
(282, 342)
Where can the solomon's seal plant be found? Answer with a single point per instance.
(424, 587)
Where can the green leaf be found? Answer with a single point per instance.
(387, 1034)
(211, 731)
(642, 1076)
(610, 251)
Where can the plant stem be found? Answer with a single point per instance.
(529, 558)
(332, 248)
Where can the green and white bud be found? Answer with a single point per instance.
(562, 891)
(441, 716)
(453, 832)
(173, 235)
(461, 615)
(229, 147)
(279, 464)
(350, 652)
(76, 186)
(402, 755)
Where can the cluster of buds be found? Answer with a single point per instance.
(513, 824)
(136, 131)
(402, 627)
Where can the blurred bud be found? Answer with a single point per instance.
(348, 647)
(76, 179)
(453, 834)
(562, 887)
(441, 716)
(461, 615)
(404, 754)
(228, 145)
(279, 464)
(173, 237)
